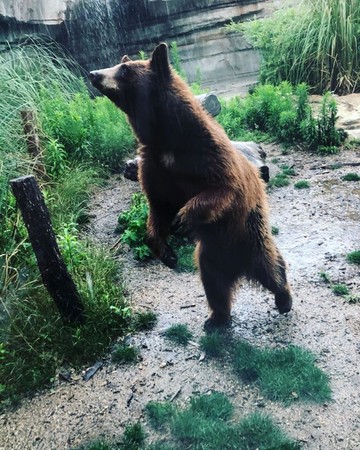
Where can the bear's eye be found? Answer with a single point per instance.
(123, 71)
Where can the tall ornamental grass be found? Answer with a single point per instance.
(81, 139)
(318, 42)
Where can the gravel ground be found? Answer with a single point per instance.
(317, 228)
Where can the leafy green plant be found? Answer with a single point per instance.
(351, 177)
(132, 225)
(178, 334)
(317, 42)
(302, 184)
(353, 257)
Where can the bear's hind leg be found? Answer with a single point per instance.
(270, 271)
(218, 289)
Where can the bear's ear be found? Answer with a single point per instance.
(125, 59)
(159, 61)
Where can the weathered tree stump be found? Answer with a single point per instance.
(252, 151)
(54, 273)
(33, 142)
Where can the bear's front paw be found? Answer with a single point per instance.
(217, 323)
(169, 258)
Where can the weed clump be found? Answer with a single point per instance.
(351, 177)
(125, 354)
(340, 289)
(143, 321)
(302, 184)
(178, 334)
(354, 257)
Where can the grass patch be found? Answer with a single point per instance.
(207, 423)
(351, 177)
(125, 354)
(144, 321)
(214, 344)
(275, 230)
(286, 375)
(185, 254)
(178, 334)
(302, 184)
(279, 180)
(325, 277)
(353, 257)
(159, 413)
(340, 289)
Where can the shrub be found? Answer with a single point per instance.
(316, 43)
(124, 354)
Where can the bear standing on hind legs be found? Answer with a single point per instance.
(190, 172)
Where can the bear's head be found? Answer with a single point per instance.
(131, 85)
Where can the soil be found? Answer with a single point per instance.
(317, 228)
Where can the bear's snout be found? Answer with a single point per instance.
(96, 78)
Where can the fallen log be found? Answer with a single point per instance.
(252, 151)
(53, 270)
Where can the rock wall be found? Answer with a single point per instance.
(98, 32)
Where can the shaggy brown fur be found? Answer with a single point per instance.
(190, 171)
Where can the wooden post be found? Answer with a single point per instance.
(33, 142)
(54, 273)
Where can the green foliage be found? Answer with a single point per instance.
(282, 113)
(340, 289)
(274, 230)
(159, 413)
(279, 180)
(208, 424)
(35, 340)
(317, 43)
(351, 177)
(353, 257)
(302, 184)
(87, 130)
(175, 60)
(325, 277)
(133, 438)
(285, 375)
(178, 334)
(213, 344)
(125, 354)
(132, 225)
(144, 321)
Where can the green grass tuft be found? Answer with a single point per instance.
(214, 344)
(279, 180)
(353, 257)
(284, 375)
(302, 184)
(275, 230)
(159, 414)
(178, 334)
(125, 354)
(133, 438)
(143, 321)
(351, 177)
(340, 289)
(325, 277)
(185, 254)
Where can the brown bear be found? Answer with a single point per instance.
(192, 174)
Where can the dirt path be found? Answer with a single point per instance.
(318, 227)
